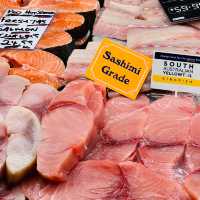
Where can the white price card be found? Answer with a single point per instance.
(22, 29)
(176, 72)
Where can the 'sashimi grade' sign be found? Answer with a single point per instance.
(22, 29)
(119, 68)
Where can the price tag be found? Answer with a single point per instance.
(119, 68)
(22, 29)
(176, 72)
(181, 10)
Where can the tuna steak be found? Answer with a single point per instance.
(165, 115)
(164, 160)
(143, 184)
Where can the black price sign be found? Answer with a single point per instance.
(181, 10)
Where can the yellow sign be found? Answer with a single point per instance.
(119, 68)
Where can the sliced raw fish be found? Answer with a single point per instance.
(149, 51)
(120, 104)
(77, 64)
(113, 24)
(165, 160)
(114, 152)
(169, 121)
(123, 124)
(163, 36)
(66, 133)
(65, 22)
(59, 43)
(12, 88)
(108, 182)
(3, 146)
(127, 7)
(37, 98)
(42, 66)
(125, 119)
(36, 76)
(144, 184)
(192, 185)
(192, 158)
(4, 67)
(195, 127)
(24, 129)
(82, 92)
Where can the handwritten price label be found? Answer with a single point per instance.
(22, 29)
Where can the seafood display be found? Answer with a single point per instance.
(64, 137)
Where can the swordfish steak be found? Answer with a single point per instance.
(66, 133)
(124, 122)
(143, 184)
(169, 121)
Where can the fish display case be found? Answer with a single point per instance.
(65, 137)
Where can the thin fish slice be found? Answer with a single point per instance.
(37, 97)
(169, 121)
(164, 161)
(12, 88)
(108, 182)
(66, 21)
(25, 138)
(144, 184)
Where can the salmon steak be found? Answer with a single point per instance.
(41, 67)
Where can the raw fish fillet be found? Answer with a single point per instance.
(37, 97)
(125, 119)
(165, 160)
(66, 133)
(85, 93)
(12, 88)
(169, 121)
(93, 180)
(123, 124)
(114, 152)
(130, 7)
(144, 184)
(41, 67)
(170, 36)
